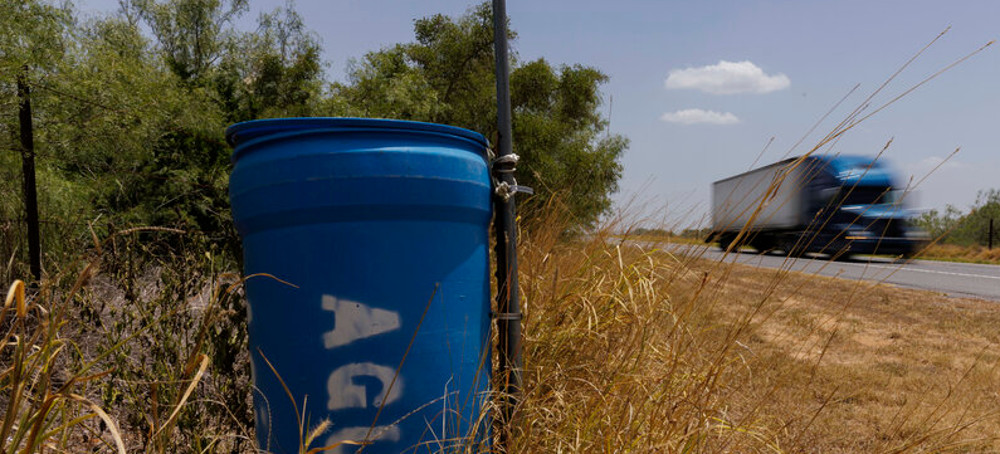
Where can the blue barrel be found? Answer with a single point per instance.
(377, 314)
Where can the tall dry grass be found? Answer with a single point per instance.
(42, 405)
(954, 252)
(128, 349)
(633, 346)
(611, 362)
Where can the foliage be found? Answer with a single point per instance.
(447, 76)
(969, 229)
(31, 34)
(938, 224)
(628, 350)
(272, 72)
(128, 128)
(219, 76)
(191, 33)
(34, 39)
(128, 125)
(562, 138)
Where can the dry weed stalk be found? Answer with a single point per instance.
(47, 385)
(41, 408)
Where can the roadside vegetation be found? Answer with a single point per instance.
(966, 254)
(628, 347)
(134, 339)
(129, 112)
(965, 236)
(133, 336)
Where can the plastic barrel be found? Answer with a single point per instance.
(366, 250)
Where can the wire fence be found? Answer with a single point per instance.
(59, 239)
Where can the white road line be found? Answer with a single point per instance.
(894, 268)
(955, 264)
(906, 268)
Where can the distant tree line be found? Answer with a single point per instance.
(129, 110)
(688, 233)
(970, 228)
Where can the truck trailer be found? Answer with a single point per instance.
(836, 205)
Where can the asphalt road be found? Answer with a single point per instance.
(954, 279)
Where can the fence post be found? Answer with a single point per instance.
(990, 241)
(28, 170)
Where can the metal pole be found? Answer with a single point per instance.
(510, 362)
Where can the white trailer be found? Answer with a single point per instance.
(768, 198)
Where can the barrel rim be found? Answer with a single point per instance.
(243, 132)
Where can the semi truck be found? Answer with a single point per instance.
(836, 205)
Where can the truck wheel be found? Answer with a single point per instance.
(762, 245)
(725, 240)
(792, 249)
(842, 257)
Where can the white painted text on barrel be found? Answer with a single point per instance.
(356, 321)
(345, 393)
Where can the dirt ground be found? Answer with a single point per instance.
(846, 366)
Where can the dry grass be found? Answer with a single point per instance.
(41, 405)
(628, 349)
(956, 253)
(94, 361)
(840, 366)
(633, 350)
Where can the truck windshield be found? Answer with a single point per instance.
(867, 195)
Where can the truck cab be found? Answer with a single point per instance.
(858, 208)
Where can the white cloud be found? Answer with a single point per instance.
(696, 116)
(931, 163)
(727, 78)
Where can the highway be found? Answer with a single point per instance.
(954, 279)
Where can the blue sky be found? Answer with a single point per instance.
(741, 73)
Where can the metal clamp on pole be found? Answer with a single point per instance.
(505, 164)
(505, 316)
(506, 191)
(503, 168)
